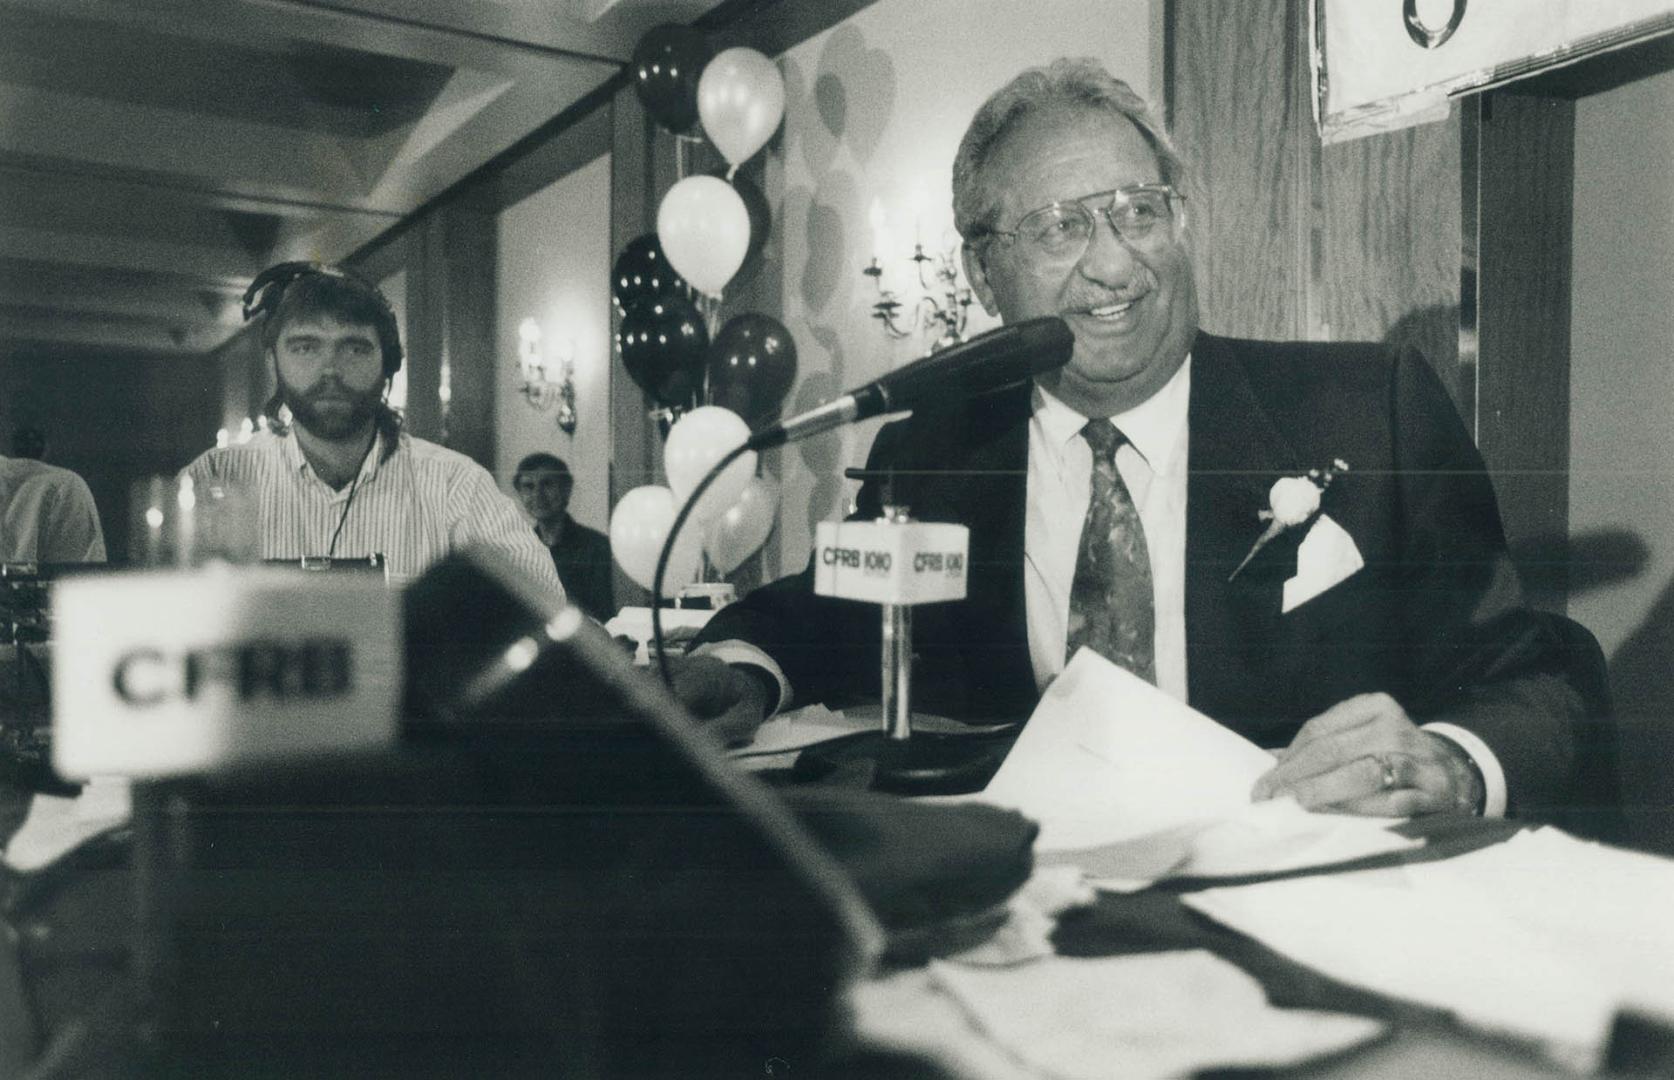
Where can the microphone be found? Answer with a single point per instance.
(987, 362)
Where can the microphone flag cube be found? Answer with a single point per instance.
(173, 672)
(889, 562)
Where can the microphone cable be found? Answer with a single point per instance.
(667, 553)
(343, 518)
(331, 549)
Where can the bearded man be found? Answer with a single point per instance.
(340, 478)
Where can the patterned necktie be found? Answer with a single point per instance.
(1110, 608)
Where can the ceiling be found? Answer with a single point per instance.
(156, 154)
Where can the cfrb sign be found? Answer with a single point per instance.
(874, 563)
(888, 562)
(317, 669)
(250, 664)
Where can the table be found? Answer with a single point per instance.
(1619, 927)
(1423, 1043)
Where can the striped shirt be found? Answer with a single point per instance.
(422, 503)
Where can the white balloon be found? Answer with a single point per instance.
(638, 529)
(704, 230)
(737, 534)
(695, 443)
(741, 98)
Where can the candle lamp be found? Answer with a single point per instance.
(941, 308)
(540, 390)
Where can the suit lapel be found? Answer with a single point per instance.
(1236, 452)
(994, 454)
(976, 474)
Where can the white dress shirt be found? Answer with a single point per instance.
(1152, 462)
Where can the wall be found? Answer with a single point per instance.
(874, 110)
(1622, 341)
(554, 266)
(1357, 241)
(1621, 437)
(246, 380)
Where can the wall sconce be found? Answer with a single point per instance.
(538, 388)
(943, 304)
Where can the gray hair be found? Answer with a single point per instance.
(1079, 81)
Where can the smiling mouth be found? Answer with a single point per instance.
(1110, 312)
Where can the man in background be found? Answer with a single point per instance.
(340, 479)
(581, 555)
(46, 513)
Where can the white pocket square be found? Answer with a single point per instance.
(1326, 556)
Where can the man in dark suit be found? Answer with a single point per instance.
(580, 555)
(1300, 540)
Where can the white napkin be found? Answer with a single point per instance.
(1326, 557)
(57, 823)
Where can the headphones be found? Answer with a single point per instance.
(267, 292)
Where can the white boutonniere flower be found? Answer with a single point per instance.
(1292, 501)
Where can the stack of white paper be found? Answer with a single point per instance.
(1148, 1015)
(1131, 785)
(1602, 909)
(1543, 936)
(1415, 935)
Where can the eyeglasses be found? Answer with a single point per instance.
(1061, 231)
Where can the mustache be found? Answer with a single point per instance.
(1089, 296)
(333, 388)
(331, 385)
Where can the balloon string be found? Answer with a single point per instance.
(712, 313)
(707, 390)
(732, 171)
(683, 145)
(709, 307)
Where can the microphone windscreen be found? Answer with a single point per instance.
(1001, 357)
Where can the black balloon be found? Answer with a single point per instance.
(662, 342)
(755, 205)
(752, 365)
(667, 63)
(642, 271)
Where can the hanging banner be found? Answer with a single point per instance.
(1385, 64)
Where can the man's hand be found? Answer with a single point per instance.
(731, 702)
(1366, 756)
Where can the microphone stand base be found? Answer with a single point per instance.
(923, 764)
